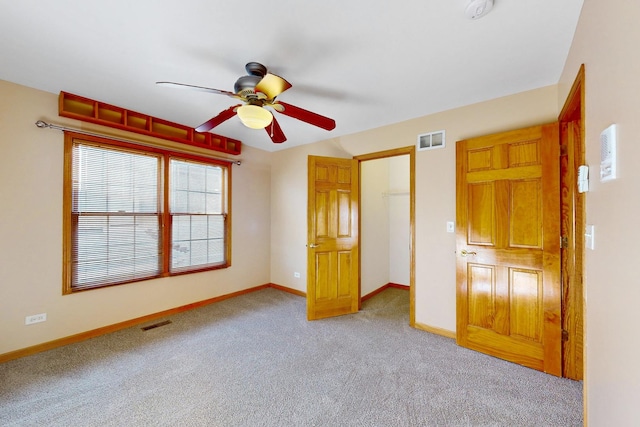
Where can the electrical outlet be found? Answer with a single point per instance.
(35, 318)
(296, 275)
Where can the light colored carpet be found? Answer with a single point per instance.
(255, 361)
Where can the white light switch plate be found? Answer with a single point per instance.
(451, 227)
(589, 237)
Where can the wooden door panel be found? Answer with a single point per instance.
(323, 288)
(333, 283)
(524, 154)
(481, 288)
(332, 266)
(525, 214)
(479, 159)
(513, 349)
(526, 304)
(344, 175)
(344, 274)
(481, 210)
(344, 214)
(492, 175)
(322, 173)
(322, 214)
(507, 219)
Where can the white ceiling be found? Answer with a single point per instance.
(364, 63)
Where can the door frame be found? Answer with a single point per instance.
(411, 151)
(573, 250)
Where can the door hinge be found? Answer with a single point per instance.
(565, 335)
(564, 151)
(564, 242)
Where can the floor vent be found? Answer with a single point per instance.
(156, 325)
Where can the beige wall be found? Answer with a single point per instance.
(289, 211)
(399, 221)
(384, 223)
(606, 41)
(374, 225)
(31, 235)
(435, 192)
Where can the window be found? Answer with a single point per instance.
(134, 213)
(197, 216)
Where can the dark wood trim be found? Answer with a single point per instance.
(411, 151)
(92, 111)
(387, 153)
(399, 286)
(434, 330)
(385, 287)
(164, 156)
(94, 333)
(573, 222)
(573, 108)
(67, 226)
(289, 290)
(50, 345)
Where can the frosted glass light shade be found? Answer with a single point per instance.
(254, 117)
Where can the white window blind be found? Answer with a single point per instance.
(115, 215)
(134, 213)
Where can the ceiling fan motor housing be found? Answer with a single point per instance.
(246, 84)
(255, 69)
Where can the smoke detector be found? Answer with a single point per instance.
(478, 8)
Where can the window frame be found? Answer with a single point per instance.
(165, 224)
(170, 215)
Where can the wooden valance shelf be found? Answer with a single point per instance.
(89, 110)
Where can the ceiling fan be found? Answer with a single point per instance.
(257, 90)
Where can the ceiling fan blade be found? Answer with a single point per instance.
(215, 121)
(272, 85)
(275, 132)
(200, 88)
(306, 116)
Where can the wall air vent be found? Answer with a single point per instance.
(431, 140)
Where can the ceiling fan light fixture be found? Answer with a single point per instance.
(255, 117)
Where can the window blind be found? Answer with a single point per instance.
(116, 215)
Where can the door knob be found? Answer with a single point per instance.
(464, 252)
(313, 245)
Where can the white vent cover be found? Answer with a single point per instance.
(608, 154)
(431, 140)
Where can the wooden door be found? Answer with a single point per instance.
(508, 246)
(332, 245)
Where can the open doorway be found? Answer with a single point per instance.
(387, 222)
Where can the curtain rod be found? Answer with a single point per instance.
(42, 124)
